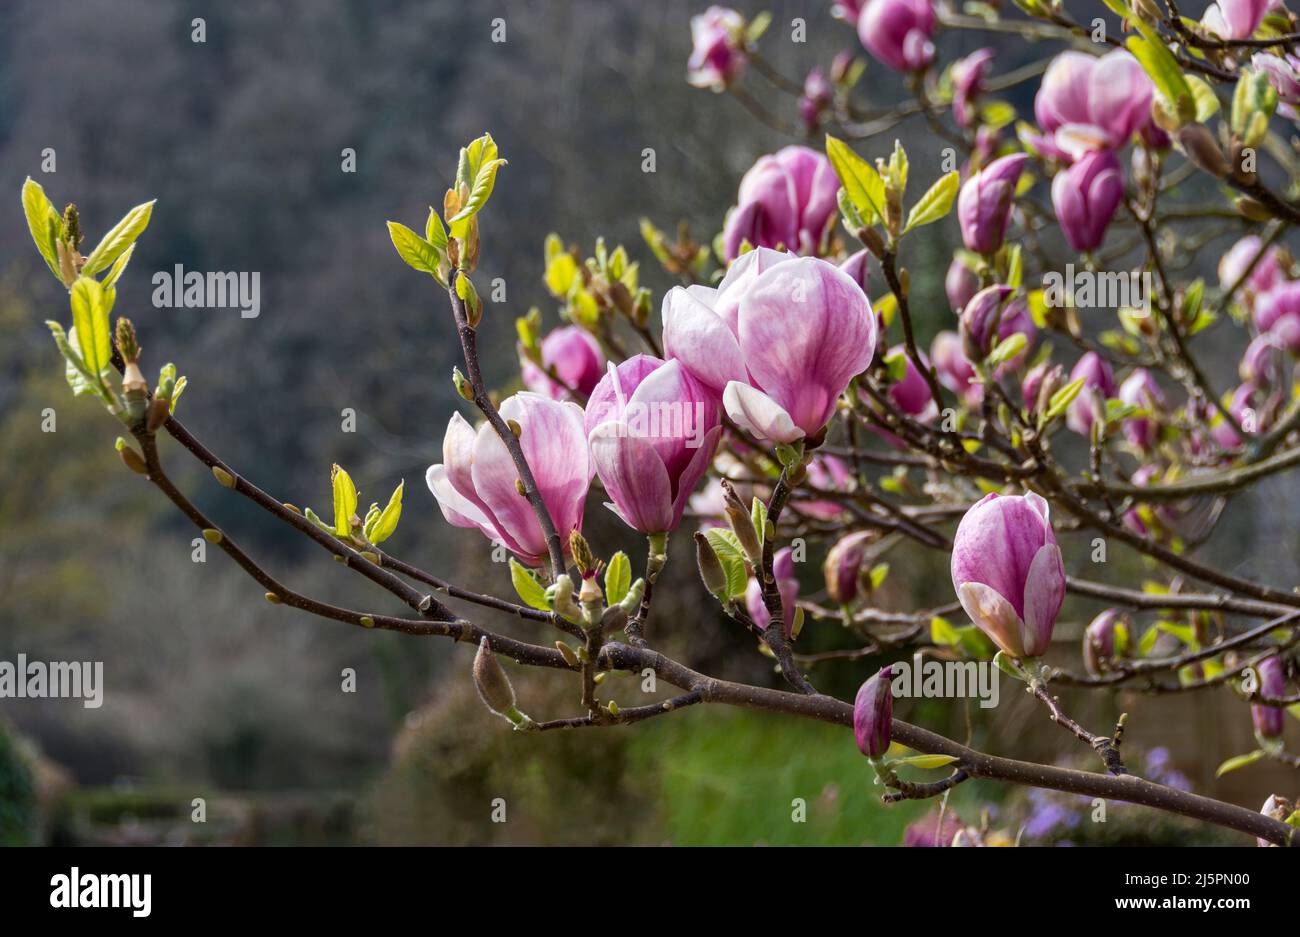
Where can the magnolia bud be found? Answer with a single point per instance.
(159, 413)
(873, 714)
(582, 555)
(493, 685)
(711, 571)
(742, 525)
(1104, 640)
(1272, 684)
(130, 458)
(561, 595)
(462, 385)
(1196, 141)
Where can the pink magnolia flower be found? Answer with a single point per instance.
(1087, 103)
(815, 99)
(717, 57)
(843, 565)
(780, 339)
(1235, 19)
(1100, 644)
(968, 76)
(1243, 407)
(1141, 390)
(1085, 197)
(984, 204)
(1261, 364)
(1044, 374)
(897, 32)
(1098, 381)
(989, 305)
(935, 829)
(786, 584)
(954, 369)
(1272, 684)
(577, 360)
(960, 283)
(1008, 572)
(1277, 312)
(1265, 275)
(786, 199)
(873, 714)
(1284, 75)
(653, 430)
(826, 473)
(475, 483)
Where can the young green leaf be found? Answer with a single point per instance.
(1159, 63)
(44, 223)
(389, 517)
(115, 271)
(415, 250)
(1239, 761)
(865, 188)
(90, 309)
(118, 239)
(479, 193)
(434, 232)
(926, 762)
(527, 587)
(1062, 399)
(758, 516)
(345, 502)
(936, 203)
(472, 157)
(731, 555)
(618, 578)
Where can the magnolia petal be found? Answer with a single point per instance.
(755, 411)
(993, 615)
(694, 471)
(634, 477)
(1044, 593)
(696, 336)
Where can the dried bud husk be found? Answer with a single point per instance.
(130, 458)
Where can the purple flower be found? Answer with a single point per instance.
(717, 56)
(1266, 274)
(1141, 390)
(930, 832)
(786, 584)
(968, 76)
(780, 339)
(843, 564)
(1272, 684)
(786, 199)
(897, 32)
(873, 714)
(912, 394)
(960, 283)
(984, 205)
(1261, 364)
(577, 360)
(816, 98)
(1085, 197)
(1278, 312)
(1243, 409)
(1008, 572)
(475, 484)
(1044, 374)
(1235, 19)
(653, 430)
(1098, 380)
(979, 333)
(954, 369)
(1100, 644)
(1090, 104)
(855, 265)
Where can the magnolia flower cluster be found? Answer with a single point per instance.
(774, 345)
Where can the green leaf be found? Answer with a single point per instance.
(479, 193)
(757, 26)
(561, 271)
(732, 557)
(1015, 267)
(943, 633)
(389, 517)
(79, 378)
(1007, 349)
(90, 307)
(472, 157)
(44, 222)
(1207, 102)
(415, 250)
(119, 238)
(863, 184)
(936, 203)
(618, 578)
(345, 502)
(527, 587)
(926, 762)
(758, 516)
(1062, 399)
(1239, 761)
(434, 232)
(1159, 63)
(896, 364)
(878, 574)
(115, 272)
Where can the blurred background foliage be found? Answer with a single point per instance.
(213, 694)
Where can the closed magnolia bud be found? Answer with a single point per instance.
(614, 618)
(159, 413)
(1272, 684)
(711, 571)
(1198, 143)
(490, 680)
(843, 563)
(1104, 640)
(742, 525)
(462, 385)
(873, 714)
(223, 477)
(130, 458)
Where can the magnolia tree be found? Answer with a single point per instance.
(782, 409)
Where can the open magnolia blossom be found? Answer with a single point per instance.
(476, 482)
(779, 338)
